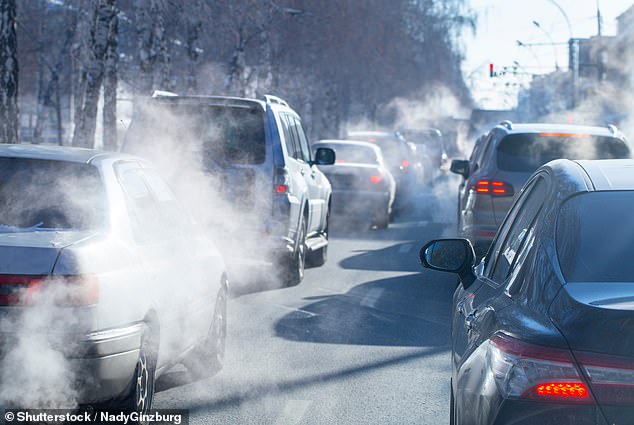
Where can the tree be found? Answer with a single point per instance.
(103, 32)
(9, 115)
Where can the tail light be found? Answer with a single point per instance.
(63, 291)
(527, 371)
(493, 187)
(376, 179)
(611, 378)
(281, 180)
(405, 164)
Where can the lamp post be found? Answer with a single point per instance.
(551, 42)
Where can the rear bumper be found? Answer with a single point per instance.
(95, 367)
(516, 412)
(360, 203)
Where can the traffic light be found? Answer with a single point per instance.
(491, 73)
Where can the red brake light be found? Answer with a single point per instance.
(59, 290)
(563, 135)
(562, 389)
(493, 187)
(376, 179)
(281, 188)
(405, 163)
(340, 160)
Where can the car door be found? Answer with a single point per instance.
(162, 278)
(475, 307)
(198, 271)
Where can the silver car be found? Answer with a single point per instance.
(362, 186)
(103, 278)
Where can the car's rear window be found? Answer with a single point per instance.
(352, 153)
(222, 135)
(45, 194)
(393, 149)
(594, 237)
(527, 152)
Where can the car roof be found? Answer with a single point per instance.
(513, 128)
(610, 174)
(371, 134)
(56, 153)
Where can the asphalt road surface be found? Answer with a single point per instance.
(364, 339)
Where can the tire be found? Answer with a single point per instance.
(452, 407)
(141, 392)
(319, 257)
(382, 221)
(293, 266)
(208, 358)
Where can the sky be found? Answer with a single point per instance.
(502, 23)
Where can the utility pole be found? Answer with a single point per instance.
(599, 20)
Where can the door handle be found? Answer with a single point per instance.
(469, 322)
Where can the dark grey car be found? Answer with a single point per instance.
(541, 328)
(503, 159)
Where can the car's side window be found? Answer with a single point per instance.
(142, 208)
(303, 141)
(174, 219)
(289, 136)
(519, 231)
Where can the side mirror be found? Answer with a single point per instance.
(450, 255)
(460, 166)
(324, 156)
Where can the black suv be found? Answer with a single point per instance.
(266, 192)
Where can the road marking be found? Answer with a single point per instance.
(293, 412)
(405, 248)
(372, 297)
(293, 309)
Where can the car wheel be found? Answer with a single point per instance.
(318, 258)
(207, 359)
(141, 393)
(293, 270)
(383, 221)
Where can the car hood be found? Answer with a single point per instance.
(34, 252)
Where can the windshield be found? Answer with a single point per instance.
(41, 194)
(528, 152)
(594, 237)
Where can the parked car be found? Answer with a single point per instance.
(362, 186)
(98, 259)
(502, 161)
(431, 150)
(259, 156)
(541, 326)
(400, 158)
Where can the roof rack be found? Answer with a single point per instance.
(613, 129)
(274, 99)
(507, 124)
(159, 93)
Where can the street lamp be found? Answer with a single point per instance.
(552, 42)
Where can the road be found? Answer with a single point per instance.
(362, 340)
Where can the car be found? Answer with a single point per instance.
(362, 186)
(104, 280)
(431, 150)
(503, 159)
(540, 329)
(400, 158)
(257, 157)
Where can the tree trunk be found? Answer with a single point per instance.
(86, 121)
(9, 115)
(110, 88)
